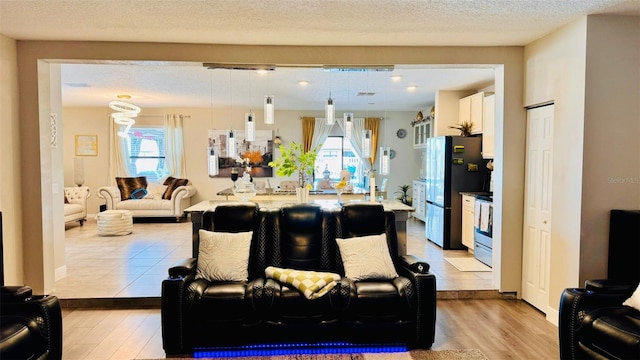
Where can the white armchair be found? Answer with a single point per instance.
(152, 205)
(76, 207)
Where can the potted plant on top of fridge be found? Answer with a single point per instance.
(464, 128)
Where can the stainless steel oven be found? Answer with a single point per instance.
(483, 235)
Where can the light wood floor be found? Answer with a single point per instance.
(500, 328)
(134, 265)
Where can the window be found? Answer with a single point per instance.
(337, 154)
(145, 146)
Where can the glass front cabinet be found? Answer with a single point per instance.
(421, 132)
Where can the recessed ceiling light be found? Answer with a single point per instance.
(303, 83)
(396, 78)
(411, 88)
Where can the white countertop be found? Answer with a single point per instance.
(210, 205)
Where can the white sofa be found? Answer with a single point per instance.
(76, 208)
(152, 205)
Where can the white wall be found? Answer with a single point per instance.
(593, 81)
(555, 72)
(611, 170)
(95, 120)
(54, 98)
(10, 185)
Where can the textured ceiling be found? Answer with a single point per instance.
(300, 22)
(286, 22)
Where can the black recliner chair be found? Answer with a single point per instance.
(30, 326)
(593, 322)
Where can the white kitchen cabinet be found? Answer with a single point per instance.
(488, 126)
(470, 109)
(421, 132)
(419, 200)
(468, 210)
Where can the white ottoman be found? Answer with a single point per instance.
(115, 222)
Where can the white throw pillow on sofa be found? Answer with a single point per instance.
(634, 300)
(367, 257)
(224, 256)
(155, 191)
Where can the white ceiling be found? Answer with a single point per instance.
(192, 85)
(286, 22)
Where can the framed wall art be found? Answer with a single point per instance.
(86, 145)
(257, 153)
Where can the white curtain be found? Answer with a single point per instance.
(356, 139)
(321, 132)
(118, 153)
(174, 146)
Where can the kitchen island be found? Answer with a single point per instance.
(289, 195)
(400, 210)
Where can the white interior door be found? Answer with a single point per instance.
(537, 214)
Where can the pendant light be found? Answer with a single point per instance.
(330, 111)
(212, 158)
(249, 119)
(348, 124)
(385, 151)
(250, 126)
(366, 143)
(268, 110)
(231, 134)
(231, 144)
(348, 116)
(385, 159)
(367, 133)
(214, 170)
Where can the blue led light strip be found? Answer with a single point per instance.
(296, 349)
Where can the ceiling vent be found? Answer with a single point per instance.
(357, 68)
(365, 93)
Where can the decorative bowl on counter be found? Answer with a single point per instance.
(245, 190)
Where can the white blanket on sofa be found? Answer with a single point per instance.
(311, 284)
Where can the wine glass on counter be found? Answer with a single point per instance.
(234, 175)
(340, 186)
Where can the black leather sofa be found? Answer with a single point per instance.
(30, 326)
(594, 324)
(198, 314)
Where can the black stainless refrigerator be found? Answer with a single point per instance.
(453, 164)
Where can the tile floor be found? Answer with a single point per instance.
(133, 266)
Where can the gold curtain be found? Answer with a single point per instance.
(308, 124)
(373, 124)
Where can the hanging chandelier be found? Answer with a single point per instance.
(124, 115)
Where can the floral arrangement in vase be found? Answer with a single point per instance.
(253, 157)
(294, 159)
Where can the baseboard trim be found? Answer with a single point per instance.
(552, 315)
(473, 295)
(60, 272)
(112, 303)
